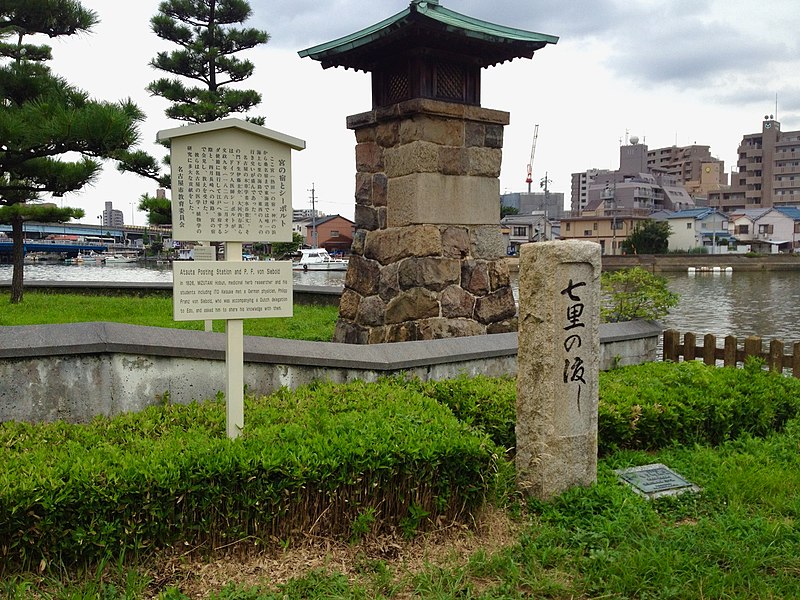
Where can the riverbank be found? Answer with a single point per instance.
(679, 263)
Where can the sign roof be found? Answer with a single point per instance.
(195, 128)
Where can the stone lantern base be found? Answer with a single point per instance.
(428, 257)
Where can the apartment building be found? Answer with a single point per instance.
(112, 217)
(580, 188)
(687, 164)
(769, 171)
(647, 180)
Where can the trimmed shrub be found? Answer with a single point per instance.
(311, 461)
(657, 404)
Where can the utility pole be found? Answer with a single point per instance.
(544, 184)
(313, 219)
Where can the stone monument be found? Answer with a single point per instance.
(558, 365)
(428, 254)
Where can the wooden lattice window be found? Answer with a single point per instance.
(450, 81)
(398, 88)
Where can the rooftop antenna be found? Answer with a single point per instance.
(776, 106)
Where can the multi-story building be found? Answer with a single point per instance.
(687, 164)
(550, 203)
(580, 188)
(306, 214)
(642, 183)
(769, 171)
(112, 217)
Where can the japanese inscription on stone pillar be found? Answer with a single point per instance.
(575, 380)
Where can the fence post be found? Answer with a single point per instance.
(752, 346)
(689, 344)
(710, 349)
(671, 337)
(775, 359)
(729, 355)
(796, 360)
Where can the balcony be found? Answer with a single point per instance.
(753, 196)
(786, 184)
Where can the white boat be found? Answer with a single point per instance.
(318, 259)
(117, 259)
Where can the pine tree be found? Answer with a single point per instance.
(43, 117)
(208, 45)
(208, 42)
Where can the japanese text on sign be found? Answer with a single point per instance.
(230, 191)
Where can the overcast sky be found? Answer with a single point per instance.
(671, 72)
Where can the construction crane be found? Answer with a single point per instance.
(529, 179)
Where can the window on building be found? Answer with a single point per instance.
(689, 226)
(334, 233)
(742, 229)
(766, 228)
(594, 226)
(587, 232)
(520, 231)
(568, 224)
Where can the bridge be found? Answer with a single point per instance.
(59, 246)
(123, 237)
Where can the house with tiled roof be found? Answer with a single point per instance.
(697, 228)
(334, 233)
(776, 230)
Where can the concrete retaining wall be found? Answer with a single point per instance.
(74, 372)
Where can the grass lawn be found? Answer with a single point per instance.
(314, 323)
(738, 538)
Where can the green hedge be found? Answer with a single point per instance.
(646, 406)
(319, 460)
(658, 404)
(328, 459)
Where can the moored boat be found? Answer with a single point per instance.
(318, 259)
(119, 259)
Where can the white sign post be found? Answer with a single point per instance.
(231, 183)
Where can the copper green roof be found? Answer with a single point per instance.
(427, 23)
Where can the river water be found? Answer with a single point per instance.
(740, 304)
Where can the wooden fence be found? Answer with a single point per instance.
(731, 354)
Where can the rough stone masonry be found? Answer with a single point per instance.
(558, 366)
(428, 255)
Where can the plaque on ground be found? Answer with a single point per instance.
(231, 290)
(656, 480)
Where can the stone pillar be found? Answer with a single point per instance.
(558, 366)
(428, 257)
